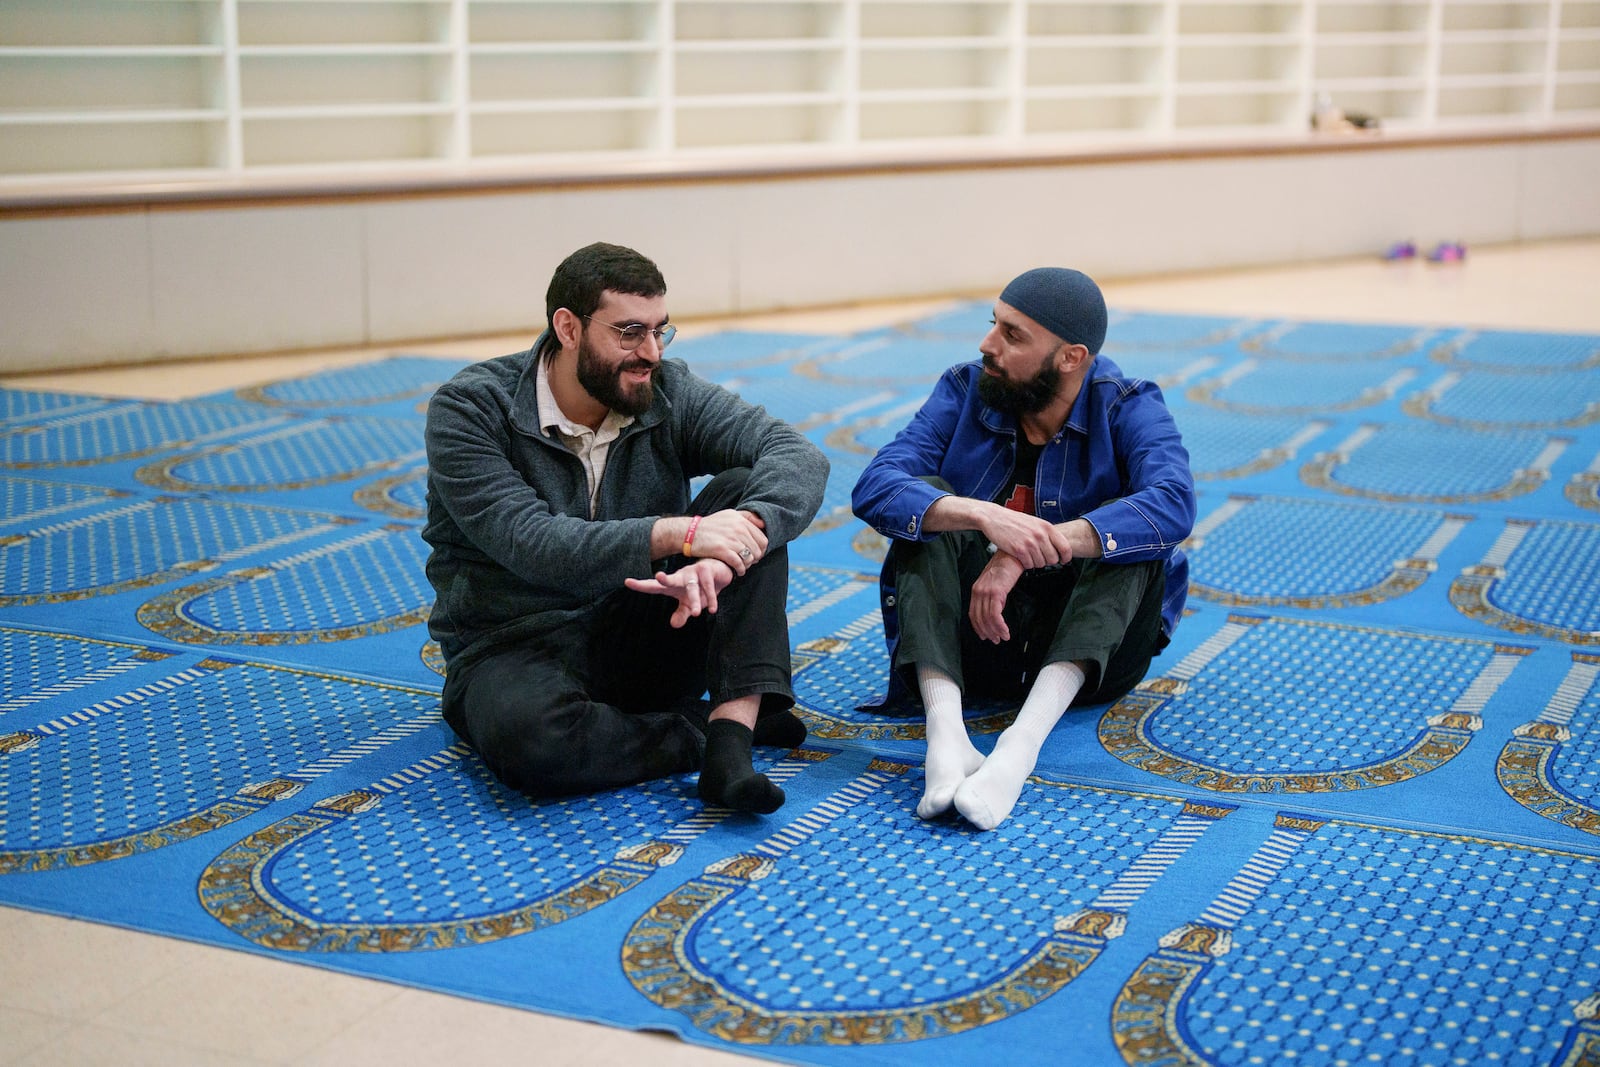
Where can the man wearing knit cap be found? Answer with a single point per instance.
(1034, 505)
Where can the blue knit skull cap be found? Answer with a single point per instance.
(1066, 302)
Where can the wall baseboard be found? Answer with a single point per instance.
(138, 282)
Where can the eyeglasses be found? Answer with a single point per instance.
(632, 335)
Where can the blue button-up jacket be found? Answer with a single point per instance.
(1119, 462)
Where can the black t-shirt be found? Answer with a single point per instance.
(1017, 494)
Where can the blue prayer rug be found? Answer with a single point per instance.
(1352, 814)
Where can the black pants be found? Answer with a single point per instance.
(1106, 616)
(592, 709)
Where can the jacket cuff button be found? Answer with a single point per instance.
(1111, 544)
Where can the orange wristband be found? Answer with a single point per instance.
(688, 538)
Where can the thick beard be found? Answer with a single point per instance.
(1024, 398)
(605, 385)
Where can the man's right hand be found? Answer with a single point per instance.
(737, 538)
(987, 609)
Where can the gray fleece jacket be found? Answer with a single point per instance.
(516, 555)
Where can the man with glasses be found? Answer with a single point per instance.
(584, 603)
(1035, 506)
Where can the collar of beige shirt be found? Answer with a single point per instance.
(588, 445)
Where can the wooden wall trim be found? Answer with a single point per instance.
(59, 199)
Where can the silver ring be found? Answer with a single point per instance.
(692, 582)
(745, 554)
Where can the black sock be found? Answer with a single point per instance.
(781, 729)
(727, 777)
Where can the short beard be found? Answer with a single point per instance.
(605, 385)
(1024, 398)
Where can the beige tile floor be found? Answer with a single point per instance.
(76, 993)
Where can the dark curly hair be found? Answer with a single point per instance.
(584, 277)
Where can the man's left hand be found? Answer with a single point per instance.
(695, 588)
(989, 593)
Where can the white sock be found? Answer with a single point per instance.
(986, 798)
(951, 755)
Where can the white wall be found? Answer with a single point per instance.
(102, 284)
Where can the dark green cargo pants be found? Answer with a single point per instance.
(1104, 616)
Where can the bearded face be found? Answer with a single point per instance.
(1027, 397)
(605, 381)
